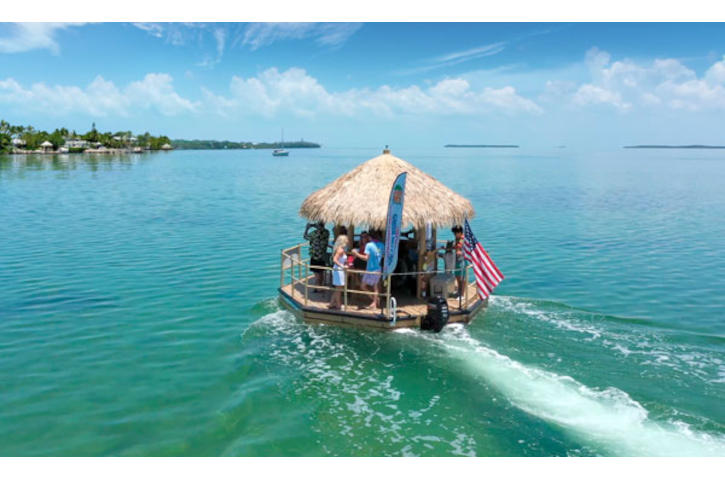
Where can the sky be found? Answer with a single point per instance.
(368, 85)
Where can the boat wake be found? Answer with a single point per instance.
(625, 337)
(608, 418)
(360, 377)
(353, 378)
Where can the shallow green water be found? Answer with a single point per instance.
(138, 311)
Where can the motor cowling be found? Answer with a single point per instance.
(437, 316)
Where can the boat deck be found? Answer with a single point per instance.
(410, 309)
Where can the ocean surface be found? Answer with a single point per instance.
(139, 313)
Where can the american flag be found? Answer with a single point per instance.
(487, 274)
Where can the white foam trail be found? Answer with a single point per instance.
(608, 418)
(643, 347)
(279, 321)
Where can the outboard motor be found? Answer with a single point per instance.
(437, 316)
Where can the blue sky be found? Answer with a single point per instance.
(537, 85)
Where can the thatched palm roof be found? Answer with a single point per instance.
(360, 197)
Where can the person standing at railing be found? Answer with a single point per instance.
(359, 263)
(340, 240)
(373, 256)
(339, 272)
(460, 265)
(318, 239)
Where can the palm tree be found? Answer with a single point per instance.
(5, 140)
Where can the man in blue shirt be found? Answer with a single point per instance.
(373, 256)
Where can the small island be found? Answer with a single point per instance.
(480, 146)
(695, 147)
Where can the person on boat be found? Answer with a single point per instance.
(372, 255)
(340, 240)
(319, 239)
(460, 261)
(359, 263)
(339, 271)
(429, 267)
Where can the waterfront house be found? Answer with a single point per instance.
(76, 143)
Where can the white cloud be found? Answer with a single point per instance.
(156, 91)
(197, 34)
(177, 34)
(454, 58)
(589, 94)
(220, 36)
(258, 35)
(555, 90)
(692, 95)
(252, 35)
(716, 73)
(153, 29)
(460, 56)
(272, 91)
(335, 34)
(100, 98)
(662, 83)
(295, 92)
(32, 36)
(596, 59)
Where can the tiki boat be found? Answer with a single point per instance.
(422, 289)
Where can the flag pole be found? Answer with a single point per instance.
(460, 294)
(465, 268)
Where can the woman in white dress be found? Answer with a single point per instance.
(339, 272)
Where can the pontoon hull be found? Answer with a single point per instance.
(368, 319)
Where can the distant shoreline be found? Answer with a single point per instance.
(480, 146)
(88, 151)
(690, 147)
(180, 144)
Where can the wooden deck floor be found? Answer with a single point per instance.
(408, 305)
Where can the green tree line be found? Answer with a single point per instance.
(33, 138)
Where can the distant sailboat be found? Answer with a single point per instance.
(281, 152)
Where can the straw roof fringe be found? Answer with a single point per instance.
(360, 197)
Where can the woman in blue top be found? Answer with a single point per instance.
(373, 255)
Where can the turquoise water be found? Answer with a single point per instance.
(138, 311)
